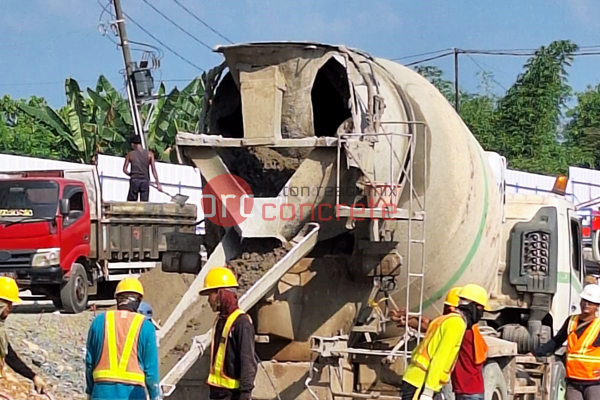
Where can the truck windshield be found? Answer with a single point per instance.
(28, 199)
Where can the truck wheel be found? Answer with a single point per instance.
(74, 294)
(494, 383)
(57, 303)
(558, 385)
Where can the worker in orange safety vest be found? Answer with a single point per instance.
(233, 363)
(433, 360)
(122, 355)
(582, 334)
(467, 376)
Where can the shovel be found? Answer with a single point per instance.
(177, 199)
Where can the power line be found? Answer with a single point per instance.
(163, 44)
(82, 81)
(418, 55)
(201, 21)
(582, 51)
(429, 59)
(483, 70)
(177, 25)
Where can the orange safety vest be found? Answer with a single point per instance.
(119, 359)
(217, 375)
(583, 359)
(421, 357)
(481, 347)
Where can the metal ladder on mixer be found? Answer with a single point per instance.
(415, 274)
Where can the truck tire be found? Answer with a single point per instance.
(494, 383)
(74, 294)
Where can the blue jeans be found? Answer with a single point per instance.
(469, 396)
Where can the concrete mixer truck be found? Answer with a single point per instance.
(343, 186)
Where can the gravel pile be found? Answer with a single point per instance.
(53, 345)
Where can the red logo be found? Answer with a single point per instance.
(227, 200)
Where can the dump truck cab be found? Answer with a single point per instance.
(59, 239)
(44, 228)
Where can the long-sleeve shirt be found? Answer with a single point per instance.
(443, 350)
(240, 362)
(14, 361)
(147, 358)
(557, 341)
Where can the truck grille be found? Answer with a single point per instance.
(15, 258)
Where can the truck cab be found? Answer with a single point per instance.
(45, 229)
(59, 239)
(542, 271)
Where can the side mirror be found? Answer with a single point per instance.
(64, 207)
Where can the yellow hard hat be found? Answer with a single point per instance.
(9, 291)
(130, 285)
(476, 294)
(219, 277)
(452, 298)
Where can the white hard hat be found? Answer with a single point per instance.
(591, 293)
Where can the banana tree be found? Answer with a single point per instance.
(175, 111)
(81, 123)
(69, 122)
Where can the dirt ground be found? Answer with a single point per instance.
(164, 290)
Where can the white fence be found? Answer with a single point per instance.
(174, 179)
(584, 184)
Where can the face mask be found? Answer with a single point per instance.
(130, 303)
(472, 314)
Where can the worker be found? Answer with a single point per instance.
(467, 376)
(141, 160)
(233, 364)
(122, 355)
(9, 295)
(582, 334)
(146, 310)
(450, 304)
(590, 280)
(432, 361)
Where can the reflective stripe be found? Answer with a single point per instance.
(421, 357)
(217, 375)
(481, 347)
(583, 358)
(117, 368)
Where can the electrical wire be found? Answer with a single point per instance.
(429, 59)
(421, 54)
(582, 51)
(201, 21)
(163, 44)
(483, 70)
(176, 24)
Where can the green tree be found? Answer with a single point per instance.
(582, 133)
(528, 116)
(21, 134)
(524, 124)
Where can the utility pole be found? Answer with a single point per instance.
(129, 68)
(456, 94)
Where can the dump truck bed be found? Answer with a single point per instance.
(131, 231)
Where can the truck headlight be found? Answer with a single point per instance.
(46, 257)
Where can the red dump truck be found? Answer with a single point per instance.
(59, 239)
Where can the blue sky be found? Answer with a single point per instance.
(45, 41)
